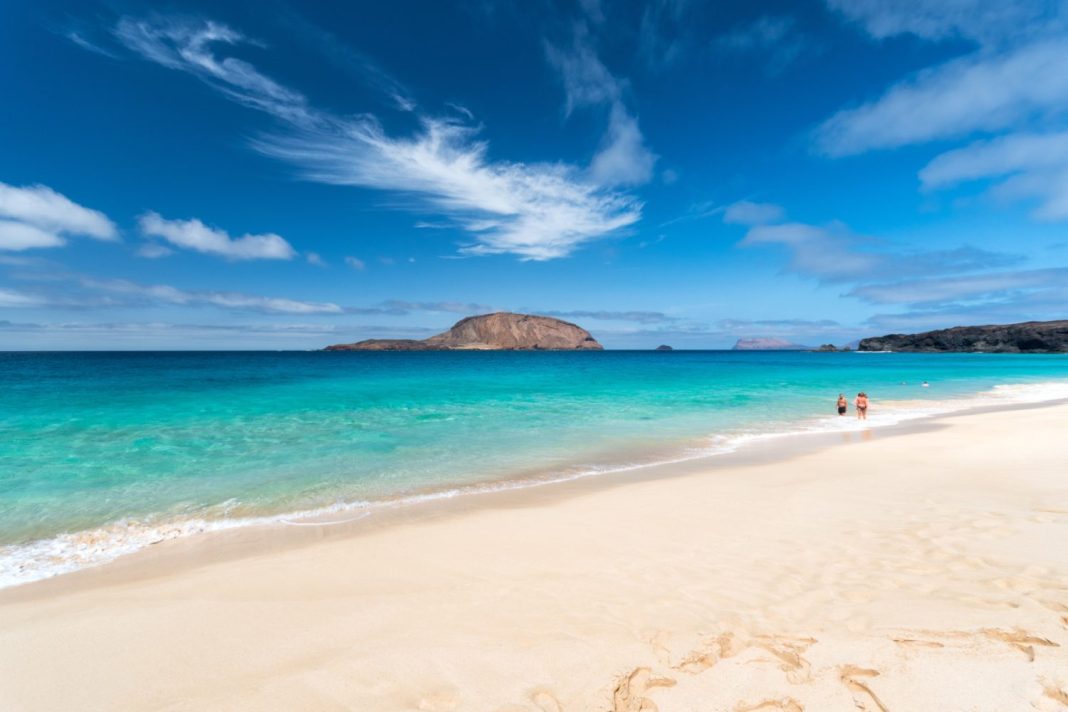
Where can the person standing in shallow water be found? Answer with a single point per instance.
(842, 404)
(861, 404)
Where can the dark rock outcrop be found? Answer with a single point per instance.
(502, 331)
(826, 347)
(1028, 337)
(663, 347)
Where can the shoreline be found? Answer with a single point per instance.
(336, 519)
(931, 577)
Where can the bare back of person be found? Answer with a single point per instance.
(861, 404)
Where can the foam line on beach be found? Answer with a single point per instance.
(68, 552)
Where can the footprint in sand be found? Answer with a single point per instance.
(629, 693)
(1055, 693)
(724, 646)
(863, 696)
(788, 652)
(1019, 639)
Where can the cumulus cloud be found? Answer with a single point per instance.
(535, 211)
(195, 235)
(37, 216)
(746, 212)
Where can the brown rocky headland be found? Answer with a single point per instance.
(501, 331)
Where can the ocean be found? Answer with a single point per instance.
(104, 453)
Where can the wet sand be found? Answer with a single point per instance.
(919, 571)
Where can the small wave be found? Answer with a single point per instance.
(69, 552)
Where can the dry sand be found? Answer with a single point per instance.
(926, 571)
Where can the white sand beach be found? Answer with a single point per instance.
(919, 571)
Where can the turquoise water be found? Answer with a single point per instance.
(91, 439)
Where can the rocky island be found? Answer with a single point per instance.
(501, 331)
(1029, 337)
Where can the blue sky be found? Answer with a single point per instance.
(283, 175)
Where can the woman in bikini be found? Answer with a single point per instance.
(842, 404)
(861, 404)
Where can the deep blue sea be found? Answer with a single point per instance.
(102, 453)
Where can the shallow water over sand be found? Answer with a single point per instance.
(105, 453)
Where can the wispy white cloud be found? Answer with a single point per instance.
(623, 157)
(946, 289)
(355, 262)
(195, 235)
(355, 63)
(746, 212)
(996, 297)
(189, 46)
(16, 236)
(400, 307)
(11, 298)
(980, 20)
(977, 93)
(1026, 164)
(827, 253)
(37, 216)
(834, 253)
(79, 39)
(535, 211)
(227, 300)
(142, 327)
(154, 251)
(638, 317)
(1011, 93)
(663, 35)
(587, 82)
(314, 258)
(775, 37)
